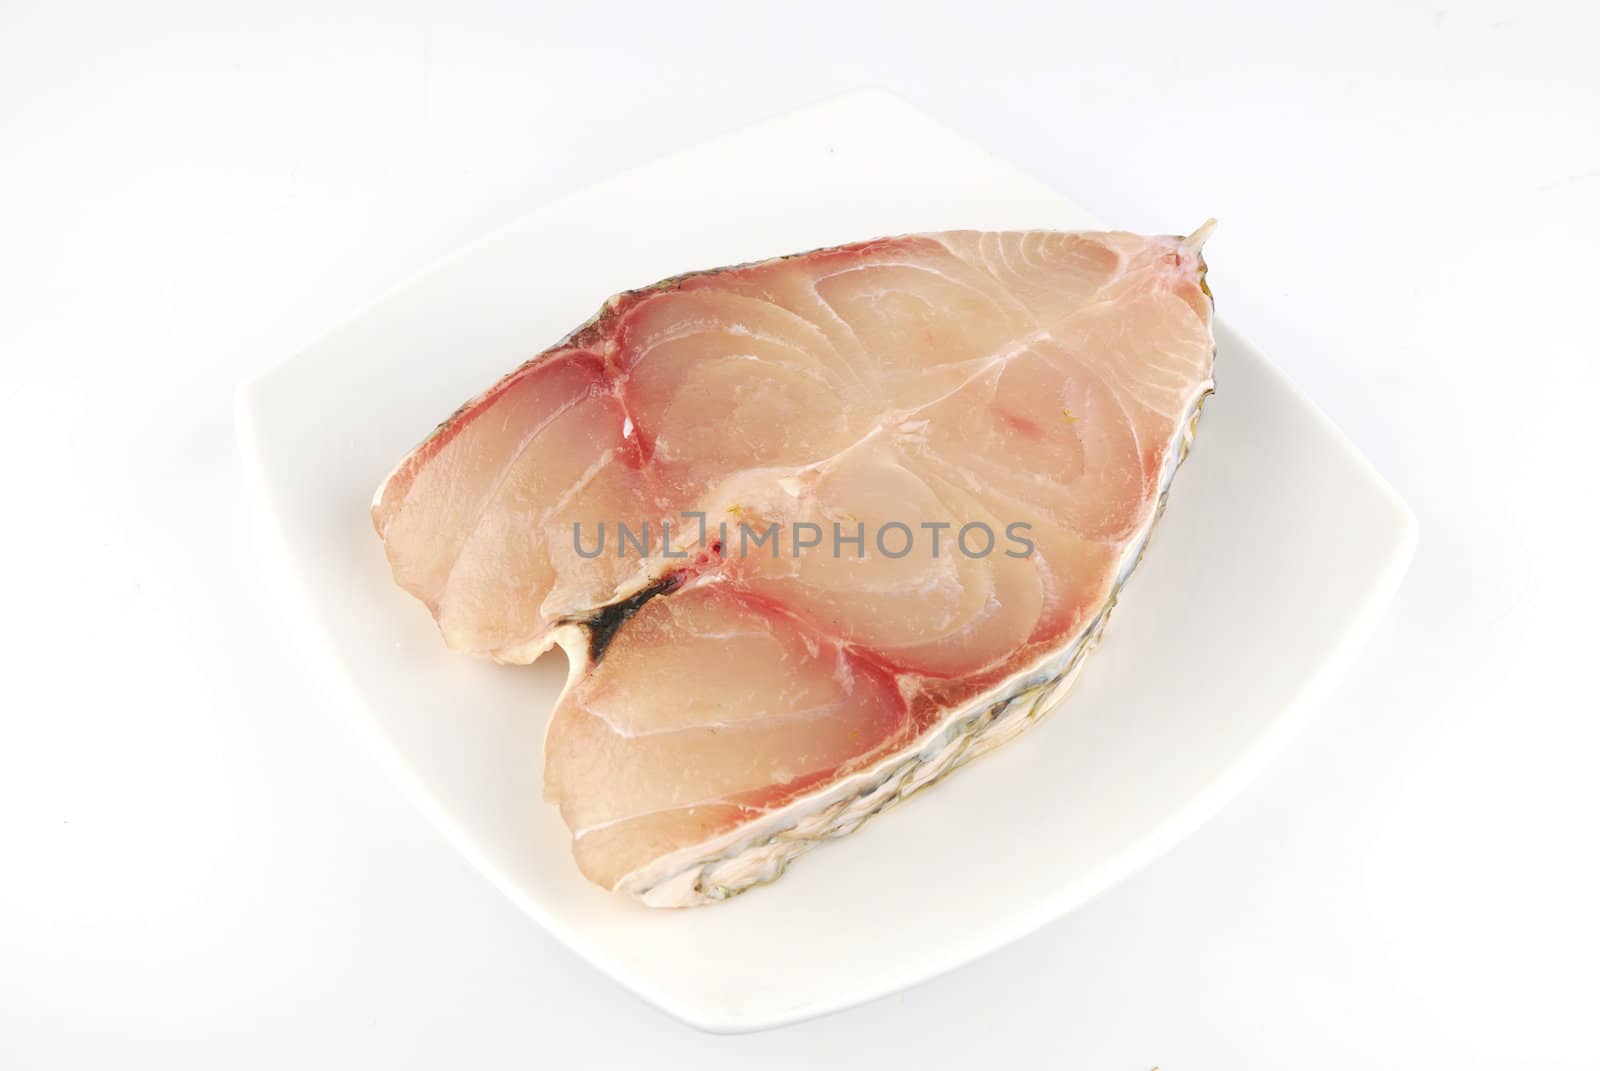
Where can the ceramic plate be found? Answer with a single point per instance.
(1280, 548)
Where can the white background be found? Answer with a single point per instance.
(199, 865)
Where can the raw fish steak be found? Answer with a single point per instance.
(812, 532)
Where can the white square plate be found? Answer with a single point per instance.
(1280, 548)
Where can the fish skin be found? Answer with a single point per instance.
(726, 714)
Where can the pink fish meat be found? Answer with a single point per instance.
(813, 531)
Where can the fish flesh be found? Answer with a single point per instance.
(812, 532)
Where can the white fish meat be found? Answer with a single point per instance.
(813, 532)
